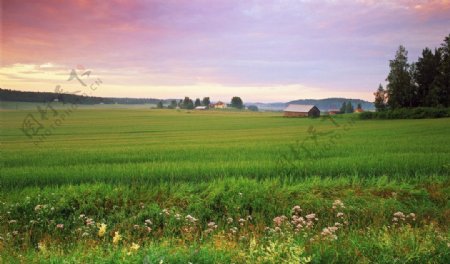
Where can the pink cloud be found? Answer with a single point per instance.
(333, 44)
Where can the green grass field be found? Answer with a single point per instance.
(121, 167)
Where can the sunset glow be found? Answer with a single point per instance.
(267, 51)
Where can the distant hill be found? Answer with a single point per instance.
(43, 97)
(322, 104)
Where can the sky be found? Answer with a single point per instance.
(262, 51)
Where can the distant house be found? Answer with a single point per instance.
(359, 110)
(200, 108)
(296, 110)
(334, 111)
(220, 105)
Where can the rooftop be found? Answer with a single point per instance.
(298, 108)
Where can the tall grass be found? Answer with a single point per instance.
(118, 146)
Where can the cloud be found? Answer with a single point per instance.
(341, 46)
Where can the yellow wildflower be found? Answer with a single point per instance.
(117, 237)
(42, 247)
(102, 230)
(134, 246)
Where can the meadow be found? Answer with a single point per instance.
(177, 186)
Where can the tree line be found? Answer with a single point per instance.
(347, 107)
(188, 103)
(425, 83)
(45, 97)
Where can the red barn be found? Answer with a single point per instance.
(296, 110)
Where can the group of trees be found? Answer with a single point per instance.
(347, 107)
(425, 83)
(188, 103)
(236, 102)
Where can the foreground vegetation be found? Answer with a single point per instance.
(167, 186)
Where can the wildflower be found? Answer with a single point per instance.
(400, 215)
(233, 230)
(136, 227)
(148, 222)
(82, 216)
(60, 226)
(117, 237)
(279, 220)
(12, 221)
(177, 216)
(90, 222)
(134, 246)
(338, 203)
(296, 210)
(38, 207)
(15, 233)
(412, 216)
(149, 229)
(42, 247)
(102, 230)
(85, 234)
(298, 220)
(241, 221)
(340, 215)
(211, 227)
(249, 218)
(229, 220)
(166, 212)
(311, 216)
(191, 219)
(329, 232)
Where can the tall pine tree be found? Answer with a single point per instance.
(442, 85)
(427, 70)
(399, 80)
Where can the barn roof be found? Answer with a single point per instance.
(298, 108)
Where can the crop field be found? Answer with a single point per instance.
(176, 186)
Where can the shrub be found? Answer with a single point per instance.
(408, 113)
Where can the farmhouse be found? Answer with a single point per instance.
(220, 105)
(296, 110)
